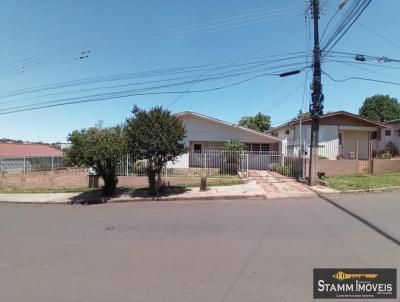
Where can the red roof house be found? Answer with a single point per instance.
(21, 150)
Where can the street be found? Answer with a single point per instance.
(236, 250)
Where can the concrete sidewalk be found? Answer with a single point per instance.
(248, 190)
(264, 187)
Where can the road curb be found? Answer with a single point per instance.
(105, 200)
(222, 197)
(361, 219)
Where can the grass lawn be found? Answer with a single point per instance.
(210, 183)
(65, 190)
(355, 182)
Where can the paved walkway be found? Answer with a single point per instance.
(277, 186)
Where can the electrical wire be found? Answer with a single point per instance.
(360, 78)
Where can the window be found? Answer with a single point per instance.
(388, 132)
(374, 135)
(197, 148)
(340, 139)
(287, 131)
(265, 147)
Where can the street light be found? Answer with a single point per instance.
(289, 73)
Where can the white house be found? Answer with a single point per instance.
(391, 134)
(341, 135)
(208, 133)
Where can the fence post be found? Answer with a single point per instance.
(127, 165)
(205, 162)
(24, 164)
(52, 163)
(1, 164)
(247, 165)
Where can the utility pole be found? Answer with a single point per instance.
(300, 116)
(316, 107)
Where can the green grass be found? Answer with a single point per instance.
(355, 182)
(210, 183)
(221, 182)
(66, 190)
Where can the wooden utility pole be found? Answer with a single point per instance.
(316, 107)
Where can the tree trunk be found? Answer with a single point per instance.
(151, 175)
(110, 182)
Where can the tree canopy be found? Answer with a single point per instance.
(100, 148)
(260, 122)
(154, 136)
(380, 108)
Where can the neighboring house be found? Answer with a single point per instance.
(207, 133)
(391, 134)
(341, 135)
(28, 157)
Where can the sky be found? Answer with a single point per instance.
(41, 41)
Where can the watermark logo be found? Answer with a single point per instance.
(355, 283)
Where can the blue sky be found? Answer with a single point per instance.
(133, 36)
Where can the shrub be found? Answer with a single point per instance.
(288, 170)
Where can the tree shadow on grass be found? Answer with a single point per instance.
(163, 192)
(96, 197)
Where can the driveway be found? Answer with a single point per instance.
(278, 186)
(248, 250)
(381, 209)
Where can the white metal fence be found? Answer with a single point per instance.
(221, 164)
(30, 164)
(208, 163)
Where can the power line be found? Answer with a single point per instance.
(355, 12)
(154, 73)
(362, 79)
(242, 19)
(102, 98)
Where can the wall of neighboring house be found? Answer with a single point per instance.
(328, 140)
(388, 135)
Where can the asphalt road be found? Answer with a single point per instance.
(381, 209)
(246, 250)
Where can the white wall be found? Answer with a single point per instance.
(394, 137)
(199, 129)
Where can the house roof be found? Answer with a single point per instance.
(335, 114)
(19, 150)
(237, 127)
(393, 121)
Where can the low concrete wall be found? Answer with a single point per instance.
(58, 179)
(385, 165)
(338, 167)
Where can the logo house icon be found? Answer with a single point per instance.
(344, 276)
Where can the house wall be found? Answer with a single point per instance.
(394, 137)
(350, 139)
(328, 140)
(199, 129)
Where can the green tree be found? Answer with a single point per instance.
(304, 115)
(154, 136)
(380, 108)
(233, 146)
(260, 122)
(100, 148)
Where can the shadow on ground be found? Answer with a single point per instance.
(96, 197)
(164, 192)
